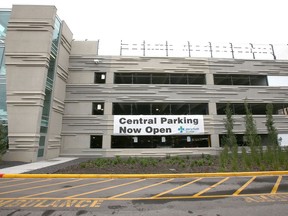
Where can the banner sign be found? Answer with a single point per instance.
(158, 124)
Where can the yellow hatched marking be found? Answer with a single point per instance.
(236, 193)
(102, 189)
(148, 198)
(41, 186)
(32, 182)
(139, 189)
(63, 189)
(173, 189)
(276, 186)
(211, 187)
(7, 180)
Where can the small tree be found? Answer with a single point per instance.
(251, 136)
(3, 139)
(272, 131)
(229, 139)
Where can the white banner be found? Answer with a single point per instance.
(158, 124)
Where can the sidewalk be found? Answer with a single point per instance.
(30, 167)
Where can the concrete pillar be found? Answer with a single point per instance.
(209, 79)
(108, 108)
(212, 109)
(215, 140)
(106, 143)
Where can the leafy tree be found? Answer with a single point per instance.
(3, 139)
(229, 139)
(272, 131)
(251, 136)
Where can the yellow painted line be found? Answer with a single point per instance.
(59, 183)
(41, 186)
(32, 182)
(64, 189)
(173, 189)
(179, 175)
(139, 189)
(10, 181)
(107, 188)
(211, 187)
(276, 186)
(148, 198)
(236, 193)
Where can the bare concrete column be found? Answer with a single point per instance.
(106, 142)
(212, 109)
(209, 79)
(215, 140)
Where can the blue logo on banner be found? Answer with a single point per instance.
(181, 129)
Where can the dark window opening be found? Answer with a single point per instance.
(159, 78)
(241, 140)
(123, 78)
(141, 109)
(252, 80)
(100, 78)
(178, 79)
(179, 109)
(95, 141)
(160, 109)
(142, 78)
(122, 109)
(97, 108)
(255, 108)
(187, 141)
(196, 79)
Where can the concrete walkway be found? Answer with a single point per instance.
(36, 165)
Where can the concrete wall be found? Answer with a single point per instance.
(79, 123)
(28, 48)
(53, 144)
(28, 45)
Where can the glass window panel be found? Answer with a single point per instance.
(121, 109)
(178, 78)
(238, 109)
(179, 109)
(122, 78)
(141, 78)
(141, 109)
(240, 80)
(161, 109)
(258, 109)
(259, 80)
(221, 108)
(4, 19)
(222, 79)
(198, 109)
(158, 78)
(196, 79)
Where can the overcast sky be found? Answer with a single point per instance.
(238, 21)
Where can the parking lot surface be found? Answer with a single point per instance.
(155, 196)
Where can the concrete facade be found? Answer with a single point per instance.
(79, 124)
(27, 52)
(28, 48)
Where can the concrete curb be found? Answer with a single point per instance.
(115, 176)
